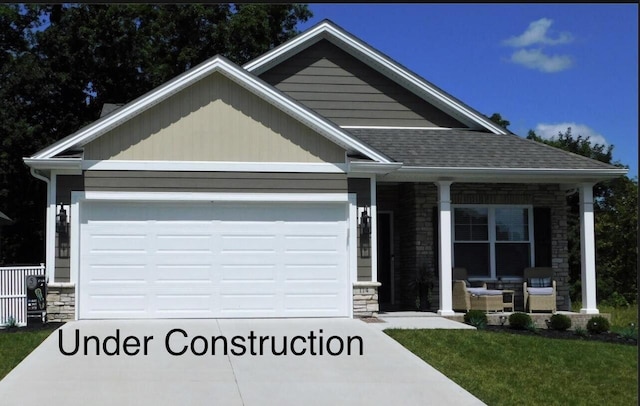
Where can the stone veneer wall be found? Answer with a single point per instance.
(61, 302)
(365, 299)
(414, 219)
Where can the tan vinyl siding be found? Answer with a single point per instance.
(214, 120)
(234, 182)
(347, 91)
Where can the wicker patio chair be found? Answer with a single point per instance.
(466, 298)
(539, 290)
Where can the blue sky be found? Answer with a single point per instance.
(544, 67)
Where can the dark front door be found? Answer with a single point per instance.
(385, 260)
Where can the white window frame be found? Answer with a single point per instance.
(491, 208)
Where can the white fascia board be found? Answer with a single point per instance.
(382, 127)
(271, 58)
(237, 75)
(498, 175)
(219, 197)
(131, 109)
(71, 164)
(207, 166)
(375, 59)
(374, 167)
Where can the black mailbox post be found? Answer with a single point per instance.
(36, 298)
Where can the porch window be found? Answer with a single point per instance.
(493, 241)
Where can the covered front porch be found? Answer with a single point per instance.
(421, 230)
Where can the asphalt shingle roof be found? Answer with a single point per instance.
(470, 149)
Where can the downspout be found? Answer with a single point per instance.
(49, 254)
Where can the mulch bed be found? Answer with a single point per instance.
(31, 327)
(608, 337)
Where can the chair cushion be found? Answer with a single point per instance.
(484, 292)
(540, 291)
(539, 282)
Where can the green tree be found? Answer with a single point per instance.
(60, 63)
(497, 118)
(616, 220)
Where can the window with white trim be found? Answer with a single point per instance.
(493, 241)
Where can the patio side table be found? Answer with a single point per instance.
(507, 299)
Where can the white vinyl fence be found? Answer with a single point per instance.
(13, 292)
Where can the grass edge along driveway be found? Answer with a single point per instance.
(15, 346)
(503, 368)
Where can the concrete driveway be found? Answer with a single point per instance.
(386, 373)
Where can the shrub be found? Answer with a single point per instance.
(476, 318)
(597, 325)
(11, 322)
(520, 321)
(559, 322)
(629, 332)
(580, 332)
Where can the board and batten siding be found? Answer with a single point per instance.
(231, 182)
(65, 184)
(362, 188)
(347, 91)
(214, 119)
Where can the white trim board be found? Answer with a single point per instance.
(213, 197)
(206, 166)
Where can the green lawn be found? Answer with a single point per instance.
(14, 347)
(510, 369)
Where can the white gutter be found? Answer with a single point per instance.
(374, 167)
(53, 163)
(549, 175)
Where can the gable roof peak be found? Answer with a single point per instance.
(327, 29)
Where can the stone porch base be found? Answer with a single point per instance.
(365, 299)
(61, 302)
(577, 319)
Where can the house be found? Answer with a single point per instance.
(318, 180)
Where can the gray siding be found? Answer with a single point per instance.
(65, 184)
(215, 182)
(347, 91)
(362, 188)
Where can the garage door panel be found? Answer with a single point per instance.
(249, 273)
(177, 260)
(248, 304)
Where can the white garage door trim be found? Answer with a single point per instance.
(78, 198)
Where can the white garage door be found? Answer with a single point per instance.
(186, 260)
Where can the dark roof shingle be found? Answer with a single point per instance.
(470, 149)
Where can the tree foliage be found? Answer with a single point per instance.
(60, 63)
(616, 223)
(497, 118)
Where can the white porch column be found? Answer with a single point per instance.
(587, 250)
(444, 247)
(374, 230)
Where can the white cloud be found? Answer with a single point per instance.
(537, 34)
(536, 59)
(549, 131)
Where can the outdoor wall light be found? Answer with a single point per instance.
(62, 229)
(503, 319)
(365, 234)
